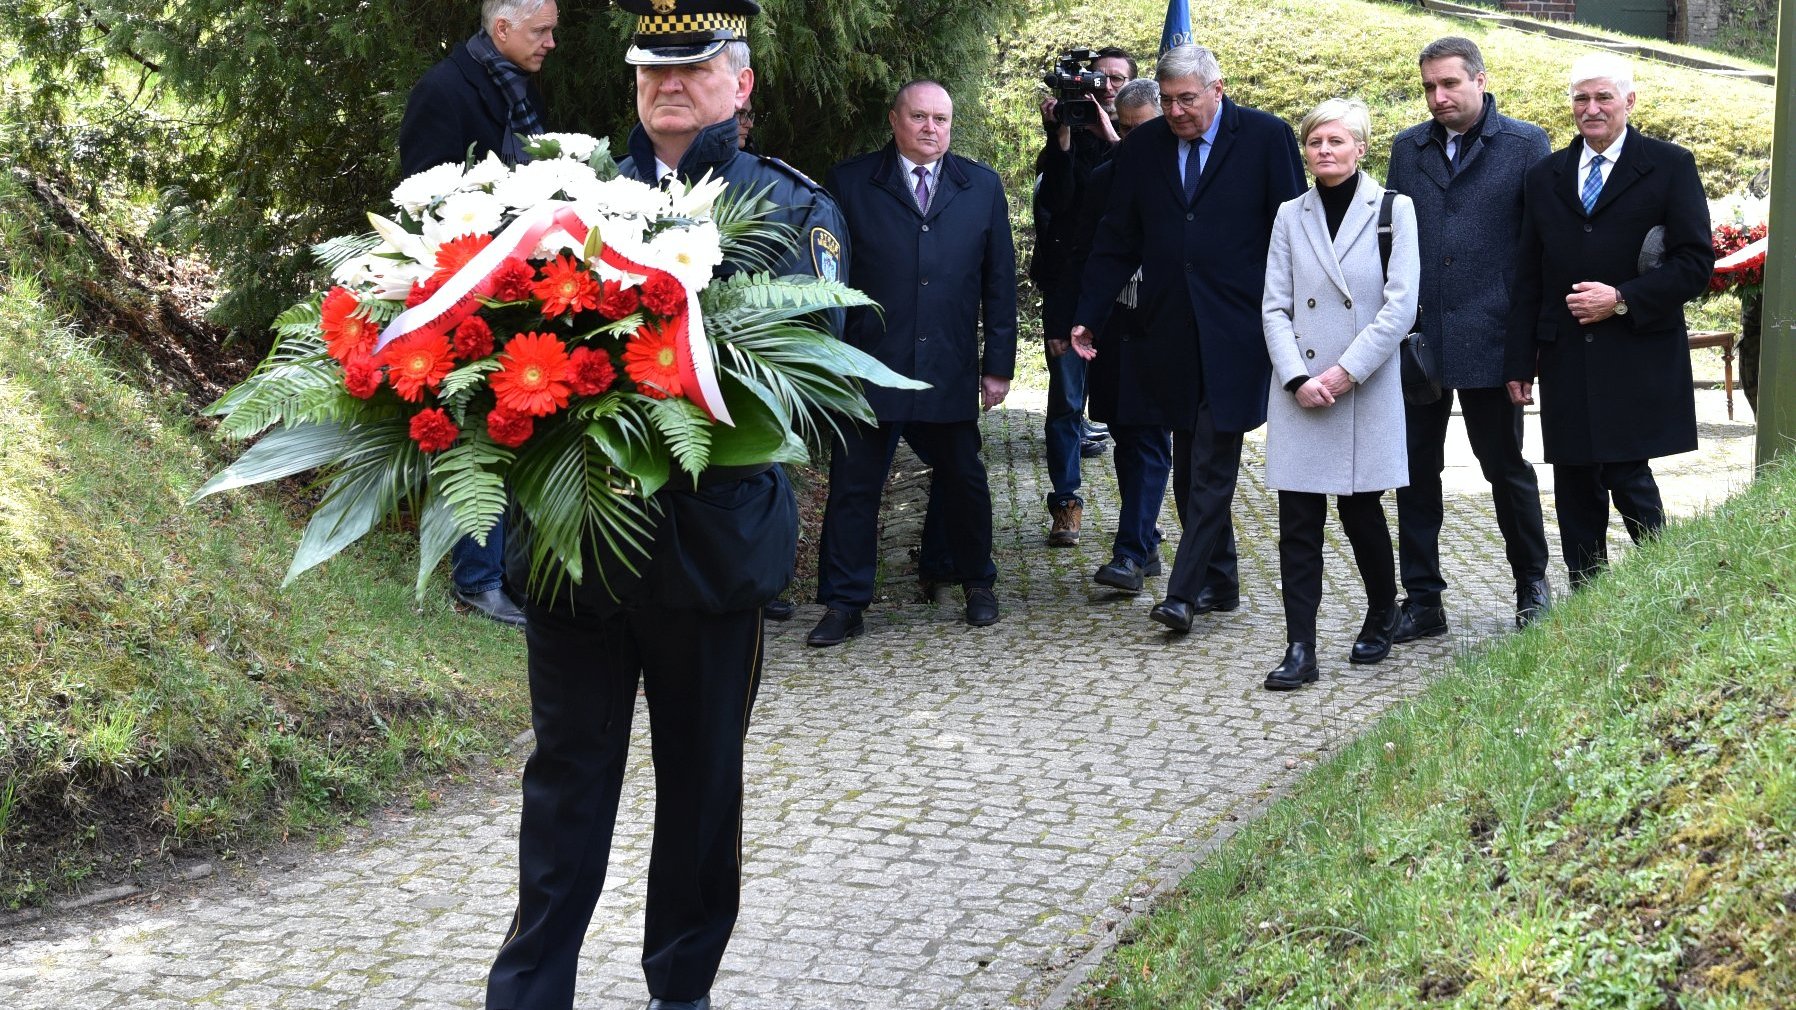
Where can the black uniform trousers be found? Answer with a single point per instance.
(700, 673)
(1205, 466)
(961, 504)
(1300, 518)
(1493, 426)
(1582, 493)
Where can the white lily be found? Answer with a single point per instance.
(400, 241)
(698, 199)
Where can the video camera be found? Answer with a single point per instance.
(1075, 87)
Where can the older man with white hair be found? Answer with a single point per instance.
(1600, 320)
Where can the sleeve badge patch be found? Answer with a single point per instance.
(826, 254)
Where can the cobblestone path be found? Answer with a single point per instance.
(938, 816)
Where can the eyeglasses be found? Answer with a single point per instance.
(1188, 102)
(745, 116)
(1118, 79)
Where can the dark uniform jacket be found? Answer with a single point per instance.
(934, 276)
(1125, 383)
(453, 105)
(1467, 223)
(1618, 390)
(1203, 266)
(1062, 190)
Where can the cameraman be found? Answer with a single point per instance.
(1064, 169)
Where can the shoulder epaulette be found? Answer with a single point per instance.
(768, 159)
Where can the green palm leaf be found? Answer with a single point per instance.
(384, 469)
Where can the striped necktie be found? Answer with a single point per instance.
(1593, 184)
(922, 175)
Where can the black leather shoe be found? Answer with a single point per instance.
(982, 607)
(1417, 621)
(702, 1003)
(837, 626)
(1209, 599)
(1091, 448)
(1298, 668)
(1121, 574)
(1374, 641)
(781, 609)
(493, 605)
(1172, 612)
(1531, 601)
(1096, 431)
(1153, 568)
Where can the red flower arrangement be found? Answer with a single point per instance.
(1739, 257)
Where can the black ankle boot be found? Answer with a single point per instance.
(1374, 641)
(1298, 669)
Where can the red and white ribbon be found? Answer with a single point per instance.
(1745, 256)
(459, 296)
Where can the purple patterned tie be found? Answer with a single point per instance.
(922, 175)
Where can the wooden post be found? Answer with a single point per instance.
(1777, 342)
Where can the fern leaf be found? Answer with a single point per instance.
(687, 431)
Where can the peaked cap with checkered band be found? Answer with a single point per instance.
(671, 32)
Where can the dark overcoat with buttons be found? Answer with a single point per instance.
(1203, 266)
(1469, 221)
(455, 105)
(935, 275)
(1620, 389)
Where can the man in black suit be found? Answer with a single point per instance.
(1192, 206)
(1603, 330)
(479, 100)
(931, 237)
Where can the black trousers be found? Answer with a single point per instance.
(1583, 492)
(960, 507)
(1300, 518)
(1493, 425)
(700, 673)
(1205, 466)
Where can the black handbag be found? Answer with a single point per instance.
(1420, 385)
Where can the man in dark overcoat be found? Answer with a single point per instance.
(479, 100)
(931, 234)
(1462, 169)
(685, 626)
(1192, 205)
(1603, 330)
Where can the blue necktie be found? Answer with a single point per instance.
(1193, 168)
(1593, 184)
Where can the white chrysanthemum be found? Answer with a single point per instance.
(427, 187)
(690, 254)
(473, 213)
(529, 185)
(577, 146)
(622, 197)
(486, 173)
(697, 200)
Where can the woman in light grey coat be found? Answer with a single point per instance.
(1334, 315)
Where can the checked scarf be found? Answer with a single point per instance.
(514, 84)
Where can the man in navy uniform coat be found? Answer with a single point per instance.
(1192, 204)
(1600, 323)
(686, 625)
(479, 100)
(931, 237)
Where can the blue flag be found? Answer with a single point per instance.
(1178, 25)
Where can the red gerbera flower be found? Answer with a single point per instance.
(590, 372)
(346, 331)
(513, 281)
(653, 363)
(417, 360)
(532, 378)
(361, 376)
(455, 254)
(566, 287)
(508, 428)
(617, 301)
(433, 431)
(473, 339)
(663, 295)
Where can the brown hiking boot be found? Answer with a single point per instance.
(1066, 516)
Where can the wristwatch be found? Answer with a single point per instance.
(1621, 307)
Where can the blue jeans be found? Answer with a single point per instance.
(476, 569)
(1066, 414)
(1143, 465)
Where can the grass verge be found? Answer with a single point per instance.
(162, 693)
(1600, 812)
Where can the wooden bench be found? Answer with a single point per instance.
(1723, 339)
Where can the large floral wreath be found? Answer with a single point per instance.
(1741, 238)
(549, 335)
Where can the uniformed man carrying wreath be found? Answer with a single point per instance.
(729, 543)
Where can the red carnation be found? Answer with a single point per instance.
(455, 254)
(617, 301)
(433, 431)
(347, 331)
(509, 428)
(417, 360)
(361, 376)
(473, 339)
(513, 281)
(566, 287)
(532, 375)
(663, 295)
(590, 372)
(419, 294)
